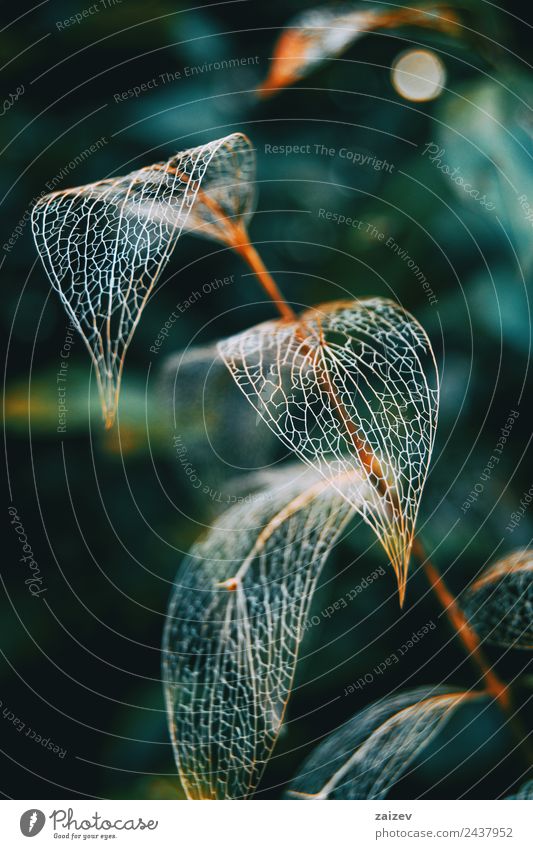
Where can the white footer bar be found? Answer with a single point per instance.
(268, 824)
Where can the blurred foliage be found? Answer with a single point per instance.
(109, 515)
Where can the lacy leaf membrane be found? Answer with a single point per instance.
(317, 35)
(104, 245)
(350, 386)
(234, 627)
(370, 752)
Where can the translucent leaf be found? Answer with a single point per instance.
(367, 755)
(350, 386)
(234, 627)
(104, 245)
(225, 203)
(525, 791)
(317, 35)
(499, 604)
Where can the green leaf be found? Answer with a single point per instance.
(525, 791)
(485, 153)
(212, 429)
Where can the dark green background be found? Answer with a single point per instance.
(105, 517)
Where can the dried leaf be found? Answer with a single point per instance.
(350, 386)
(317, 35)
(366, 756)
(225, 203)
(104, 245)
(499, 604)
(234, 627)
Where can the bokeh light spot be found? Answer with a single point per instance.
(418, 75)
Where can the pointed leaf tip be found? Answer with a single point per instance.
(350, 386)
(104, 245)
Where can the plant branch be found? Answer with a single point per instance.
(250, 255)
(459, 623)
(496, 688)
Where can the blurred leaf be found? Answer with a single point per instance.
(38, 407)
(485, 151)
(225, 202)
(524, 792)
(213, 428)
(499, 604)
(500, 305)
(317, 35)
(350, 385)
(234, 627)
(366, 756)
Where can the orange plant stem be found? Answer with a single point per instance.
(459, 623)
(495, 687)
(250, 255)
(498, 689)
